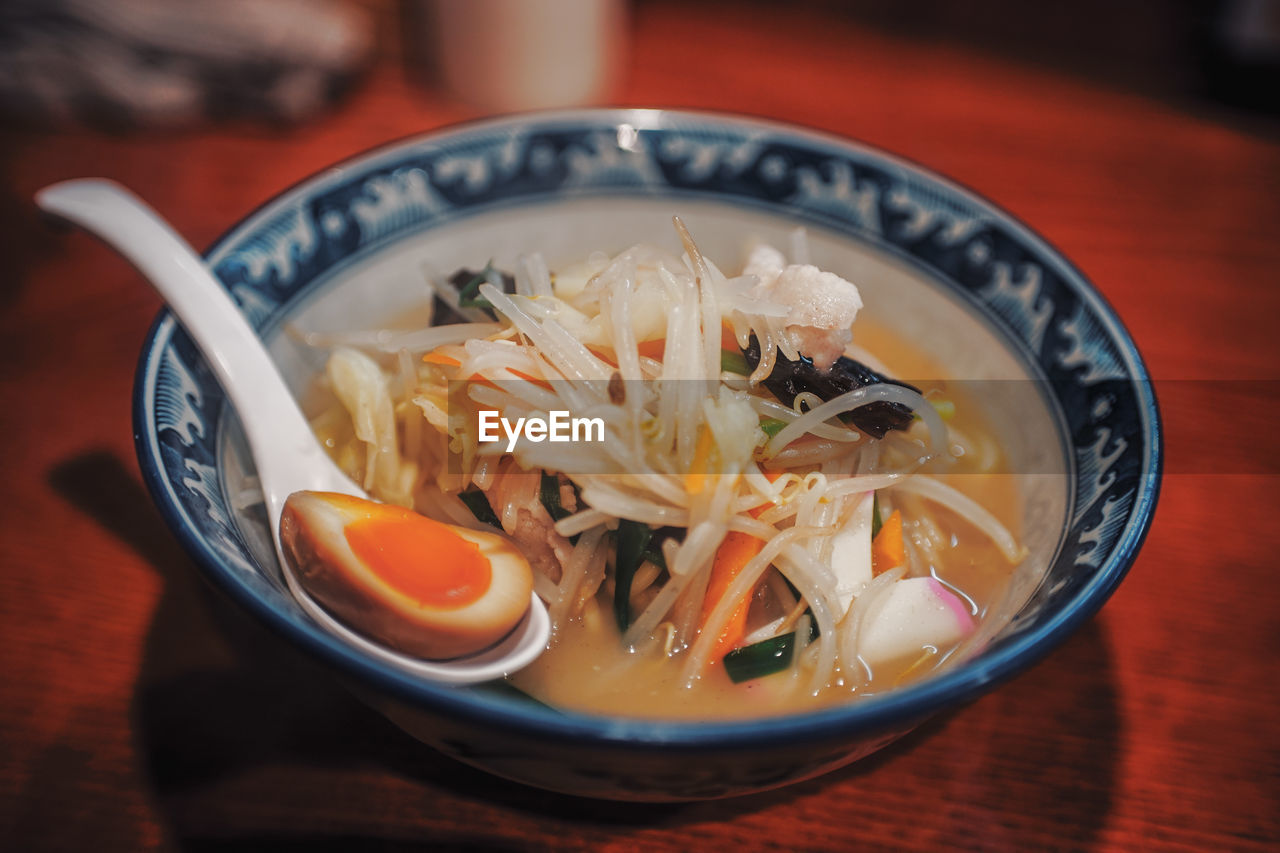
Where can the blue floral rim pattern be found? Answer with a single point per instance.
(1025, 287)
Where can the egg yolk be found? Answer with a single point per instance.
(420, 558)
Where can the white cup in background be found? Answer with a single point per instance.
(529, 54)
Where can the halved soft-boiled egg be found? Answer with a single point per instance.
(422, 587)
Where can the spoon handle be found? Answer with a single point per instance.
(282, 441)
(285, 450)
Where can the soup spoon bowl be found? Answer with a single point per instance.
(286, 452)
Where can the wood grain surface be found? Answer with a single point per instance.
(137, 712)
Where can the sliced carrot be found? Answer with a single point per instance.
(484, 380)
(695, 481)
(541, 383)
(608, 356)
(888, 551)
(655, 349)
(652, 349)
(732, 556)
(437, 357)
(480, 380)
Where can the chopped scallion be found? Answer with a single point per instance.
(765, 657)
(633, 539)
(480, 508)
(469, 294)
(772, 426)
(760, 659)
(653, 554)
(734, 362)
(549, 491)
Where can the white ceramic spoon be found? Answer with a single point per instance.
(286, 452)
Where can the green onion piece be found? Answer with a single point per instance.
(734, 362)
(469, 294)
(549, 491)
(633, 539)
(653, 554)
(479, 506)
(876, 523)
(772, 426)
(760, 659)
(491, 275)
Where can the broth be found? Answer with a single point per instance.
(587, 668)
(590, 665)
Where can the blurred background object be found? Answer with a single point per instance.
(130, 63)
(527, 54)
(1224, 51)
(166, 62)
(1242, 53)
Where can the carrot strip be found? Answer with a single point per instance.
(608, 356)
(541, 383)
(656, 349)
(652, 349)
(732, 556)
(888, 550)
(435, 357)
(696, 479)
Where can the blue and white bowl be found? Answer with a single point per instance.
(978, 290)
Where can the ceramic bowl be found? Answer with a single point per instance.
(980, 292)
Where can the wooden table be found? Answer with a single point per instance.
(135, 713)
